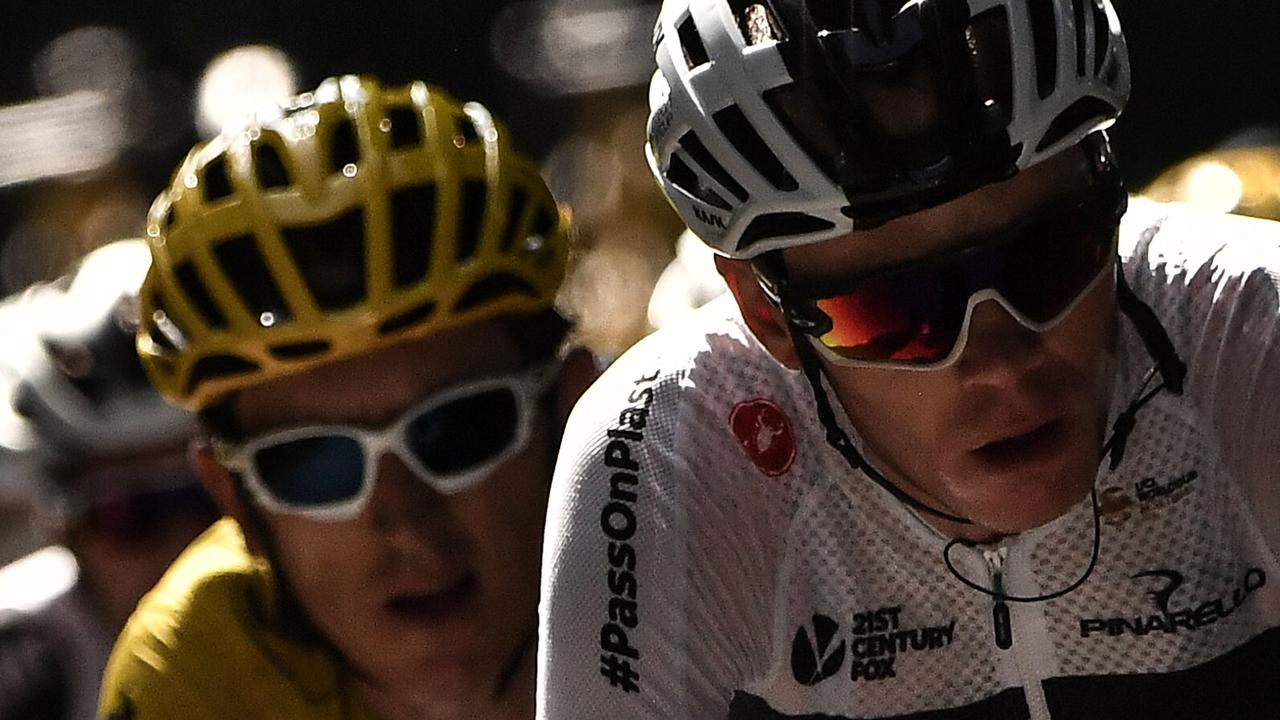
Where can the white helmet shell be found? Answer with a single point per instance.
(79, 386)
(755, 155)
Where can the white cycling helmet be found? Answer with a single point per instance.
(74, 381)
(778, 123)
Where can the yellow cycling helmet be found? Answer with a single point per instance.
(350, 218)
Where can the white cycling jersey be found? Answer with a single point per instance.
(709, 555)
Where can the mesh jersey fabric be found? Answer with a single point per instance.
(688, 574)
(204, 644)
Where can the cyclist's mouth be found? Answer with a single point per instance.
(1011, 453)
(435, 606)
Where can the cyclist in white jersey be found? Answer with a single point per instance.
(964, 443)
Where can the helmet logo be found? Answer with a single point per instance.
(708, 218)
(764, 433)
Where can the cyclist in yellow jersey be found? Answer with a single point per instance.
(356, 292)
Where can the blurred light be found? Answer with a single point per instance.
(1214, 186)
(64, 135)
(34, 580)
(240, 81)
(570, 47)
(87, 58)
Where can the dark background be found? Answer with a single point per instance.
(1204, 72)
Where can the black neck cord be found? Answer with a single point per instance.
(1168, 365)
(838, 439)
(1114, 447)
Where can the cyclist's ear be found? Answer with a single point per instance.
(762, 316)
(222, 486)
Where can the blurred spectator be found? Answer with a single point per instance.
(102, 462)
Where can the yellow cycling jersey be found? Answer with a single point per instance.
(206, 643)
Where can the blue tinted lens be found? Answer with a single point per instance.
(465, 432)
(312, 471)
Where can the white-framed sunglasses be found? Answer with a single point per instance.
(451, 440)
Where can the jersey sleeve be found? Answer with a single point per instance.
(650, 589)
(136, 686)
(1214, 280)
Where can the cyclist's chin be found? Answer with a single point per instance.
(437, 667)
(1027, 484)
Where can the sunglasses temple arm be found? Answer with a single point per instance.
(839, 439)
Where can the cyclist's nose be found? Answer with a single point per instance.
(998, 348)
(401, 499)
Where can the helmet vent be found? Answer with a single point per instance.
(756, 22)
(1101, 36)
(989, 41)
(738, 129)
(683, 177)
(1082, 41)
(413, 211)
(491, 288)
(404, 127)
(512, 234)
(268, 167)
(1079, 115)
(189, 278)
(330, 258)
(298, 350)
(466, 130)
(216, 183)
(699, 154)
(474, 198)
(158, 337)
(781, 225)
(802, 116)
(345, 150)
(408, 318)
(545, 223)
(1044, 33)
(164, 331)
(695, 53)
(214, 367)
(244, 268)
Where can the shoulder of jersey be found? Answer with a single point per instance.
(193, 605)
(1191, 233)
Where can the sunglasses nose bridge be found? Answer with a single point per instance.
(401, 495)
(994, 295)
(994, 332)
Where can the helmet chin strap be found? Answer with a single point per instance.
(839, 439)
(1168, 365)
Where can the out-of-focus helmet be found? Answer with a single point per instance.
(1244, 180)
(82, 389)
(71, 385)
(353, 217)
(777, 123)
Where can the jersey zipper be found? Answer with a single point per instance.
(1003, 621)
(1002, 624)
